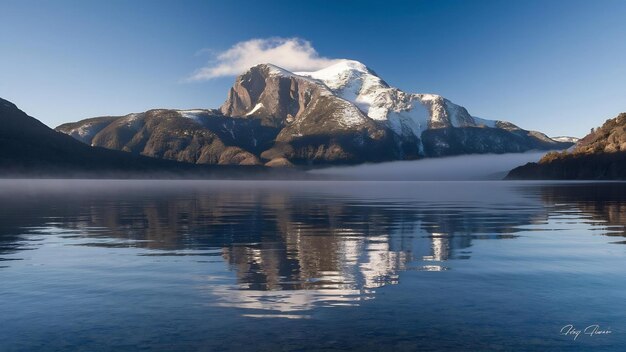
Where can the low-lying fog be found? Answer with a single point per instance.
(466, 167)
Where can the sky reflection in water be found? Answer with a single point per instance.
(217, 254)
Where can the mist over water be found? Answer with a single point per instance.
(454, 168)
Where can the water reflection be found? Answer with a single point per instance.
(602, 203)
(292, 246)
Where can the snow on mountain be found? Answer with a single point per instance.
(565, 139)
(193, 114)
(404, 113)
(485, 122)
(83, 131)
(254, 109)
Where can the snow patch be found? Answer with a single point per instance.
(132, 121)
(193, 114)
(565, 139)
(278, 71)
(83, 132)
(350, 116)
(228, 129)
(484, 122)
(255, 109)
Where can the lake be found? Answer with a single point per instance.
(311, 265)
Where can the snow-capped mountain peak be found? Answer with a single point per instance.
(405, 113)
(342, 72)
(348, 95)
(348, 78)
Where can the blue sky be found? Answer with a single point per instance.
(554, 66)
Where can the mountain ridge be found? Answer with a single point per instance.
(29, 148)
(599, 155)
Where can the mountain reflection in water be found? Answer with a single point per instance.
(198, 265)
(325, 243)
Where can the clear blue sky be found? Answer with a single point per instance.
(554, 66)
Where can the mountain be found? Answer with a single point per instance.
(599, 155)
(342, 114)
(192, 136)
(30, 148)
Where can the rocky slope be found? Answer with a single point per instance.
(599, 155)
(30, 148)
(193, 136)
(341, 114)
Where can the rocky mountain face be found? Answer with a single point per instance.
(609, 138)
(193, 136)
(341, 114)
(599, 155)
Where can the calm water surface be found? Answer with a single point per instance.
(299, 266)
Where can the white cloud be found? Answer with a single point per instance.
(292, 54)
